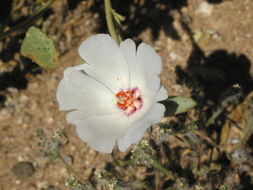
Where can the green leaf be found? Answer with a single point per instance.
(178, 104)
(39, 48)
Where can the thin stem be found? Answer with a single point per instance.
(160, 167)
(126, 162)
(118, 16)
(109, 20)
(247, 132)
(28, 21)
(70, 169)
(215, 115)
(153, 163)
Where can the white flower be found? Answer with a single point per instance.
(113, 97)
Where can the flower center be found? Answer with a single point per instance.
(129, 100)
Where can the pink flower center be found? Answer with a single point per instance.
(129, 100)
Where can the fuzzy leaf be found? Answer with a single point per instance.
(178, 104)
(39, 48)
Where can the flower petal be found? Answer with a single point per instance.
(162, 94)
(150, 63)
(75, 115)
(150, 60)
(68, 70)
(106, 63)
(101, 132)
(135, 133)
(79, 91)
(144, 66)
(102, 143)
(128, 48)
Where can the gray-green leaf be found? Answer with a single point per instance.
(39, 48)
(178, 104)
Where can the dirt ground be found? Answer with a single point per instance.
(207, 53)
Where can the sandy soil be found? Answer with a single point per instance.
(206, 49)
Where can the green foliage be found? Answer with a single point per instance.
(39, 48)
(178, 104)
(75, 184)
(143, 154)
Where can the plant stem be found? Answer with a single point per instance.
(247, 131)
(28, 21)
(70, 169)
(118, 16)
(215, 115)
(109, 20)
(126, 162)
(160, 167)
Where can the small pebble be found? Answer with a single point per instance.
(175, 56)
(23, 170)
(51, 187)
(205, 9)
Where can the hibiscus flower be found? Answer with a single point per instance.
(114, 96)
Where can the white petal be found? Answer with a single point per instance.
(136, 74)
(123, 144)
(150, 63)
(162, 94)
(101, 143)
(79, 91)
(150, 60)
(106, 63)
(128, 48)
(76, 115)
(100, 132)
(68, 70)
(144, 65)
(135, 133)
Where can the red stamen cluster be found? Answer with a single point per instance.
(129, 100)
